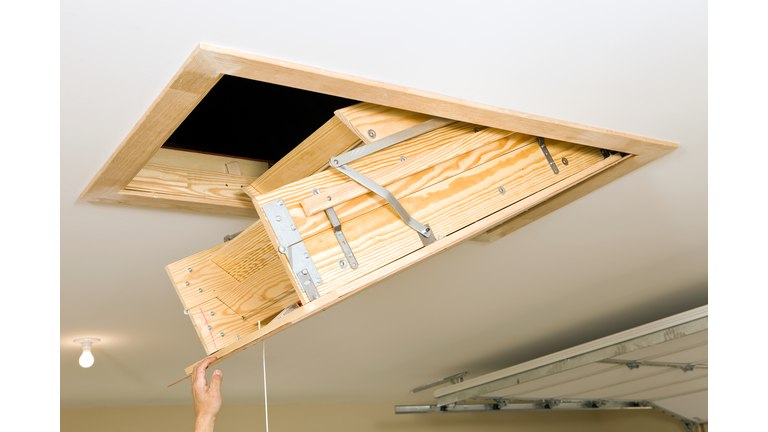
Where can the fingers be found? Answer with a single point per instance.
(198, 374)
(216, 379)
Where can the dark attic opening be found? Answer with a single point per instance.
(253, 120)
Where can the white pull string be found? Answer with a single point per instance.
(264, 366)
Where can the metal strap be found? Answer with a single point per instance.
(389, 141)
(336, 223)
(548, 156)
(426, 234)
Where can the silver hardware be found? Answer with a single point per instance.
(564, 161)
(426, 234)
(342, 263)
(292, 245)
(403, 158)
(210, 327)
(336, 223)
(199, 290)
(329, 198)
(221, 334)
(186, 312)
(477, 129)
(238, 337)
(189, 270)
(186, 283)
(544, 150)
(371, 133)
(502, 190)
(293, 227)
(213, 313)
(389, 141)
(278, 218)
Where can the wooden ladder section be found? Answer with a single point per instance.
(461, 179)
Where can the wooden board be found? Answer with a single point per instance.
(207, 63)
(334, 297)
(169, 180)
(382, 121)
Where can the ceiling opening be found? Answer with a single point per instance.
(253, 119)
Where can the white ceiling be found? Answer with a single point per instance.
(630, 253)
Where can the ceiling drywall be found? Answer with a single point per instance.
(630, 253)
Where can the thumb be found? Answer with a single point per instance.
(216, 379)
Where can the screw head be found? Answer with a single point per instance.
(280, 203)
(403, 158)
(210, 327)
(186, 312)
(477, 129)
(293, 227)
(318, 281)
(199, 290)
(371, 133)
(278, 218)
(306, 255)
(213, 313)
(329, 198)
(315, 191)
(281, 249)
(342, 263)
(502, 190)
(304, 271)
(186, 283)
(565, 161)
(221, 334)
(189, 270)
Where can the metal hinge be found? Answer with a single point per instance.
(343, 243)
(292, 246)
(544, 150)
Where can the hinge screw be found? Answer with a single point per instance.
(280, 203)
(342, 263)
(293, 227)
(371, 133)
(318, 281)
(278, 218)
(329, 198)
(565, 161)
(315, 191)
(304, 271)
(186, 312)
(281, 249)
(502, 190)
(306, 255)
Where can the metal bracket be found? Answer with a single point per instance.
(453, 379)
(340, 163)
(336, 223)
(551, 162)
(292, 246)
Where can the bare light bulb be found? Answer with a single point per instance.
(86, 359)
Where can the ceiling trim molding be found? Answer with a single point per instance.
(207, 64)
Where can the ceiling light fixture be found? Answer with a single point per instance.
(86, 359)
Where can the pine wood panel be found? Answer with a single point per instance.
(384, 121)
(204, 275)
(334, 196)
(312, 155)
(254, 297)
(380, 237)
(334, 297)
(243, 255)
(314, 224)
(207, 162)
(168, 180)
(183, 202)
(223, 320)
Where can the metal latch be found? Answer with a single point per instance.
(292, 246)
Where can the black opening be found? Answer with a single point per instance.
(254, 120)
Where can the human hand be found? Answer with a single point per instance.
(207, 398)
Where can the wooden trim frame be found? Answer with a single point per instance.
(207, 64)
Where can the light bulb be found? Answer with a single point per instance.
(86, 359)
